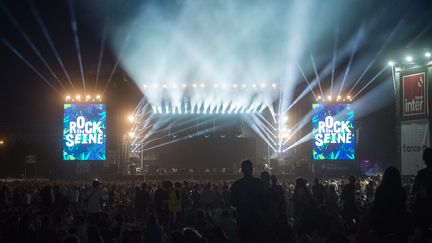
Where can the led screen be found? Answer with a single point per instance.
(84, 132)
(333, 132)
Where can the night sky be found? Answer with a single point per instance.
(28, 105)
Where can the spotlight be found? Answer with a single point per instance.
(243, 85)
(285, 119)
(339, 97)
(145, 86)
(174, 86)
(68, 97)
(184, 85)
(202, 85)
(427, 54)
(194, 85)
(88, 97)
(409, 59)
(319, 97)
(215, 85)
(254, 85)
(78, 97)
(263, 85)
(329, 98)
(224, 85)
(164, 86)
(131, 134)
(155, 85)
(98, 97)
(235, 85)
(391, 63)
(273, 85)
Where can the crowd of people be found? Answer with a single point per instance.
(251, 209)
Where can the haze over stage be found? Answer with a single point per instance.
(164, 62)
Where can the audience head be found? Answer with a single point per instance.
(273, 179)
(427, 156)
(300, 181)
(265, 177)
(247, 168)
(96, 183)
(391, 176)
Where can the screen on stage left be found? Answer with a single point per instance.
(333, 132)
(84, 132)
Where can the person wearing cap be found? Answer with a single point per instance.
(94, 198)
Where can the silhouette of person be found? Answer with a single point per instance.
(422, 188)
(389, 213)
(350, 211)
(278, 197)
(94, 198)
(246, 195)
(161, 198)
(142, 201)
(267, 219)
(302, 197)
(319, 191)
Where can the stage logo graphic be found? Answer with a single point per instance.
(414, 101)
(333, 132)
(84, 132)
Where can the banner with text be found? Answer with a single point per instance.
(414, 139)
(333, 132)
(84, 132)
(414, 96)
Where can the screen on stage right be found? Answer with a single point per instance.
(333, 132)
